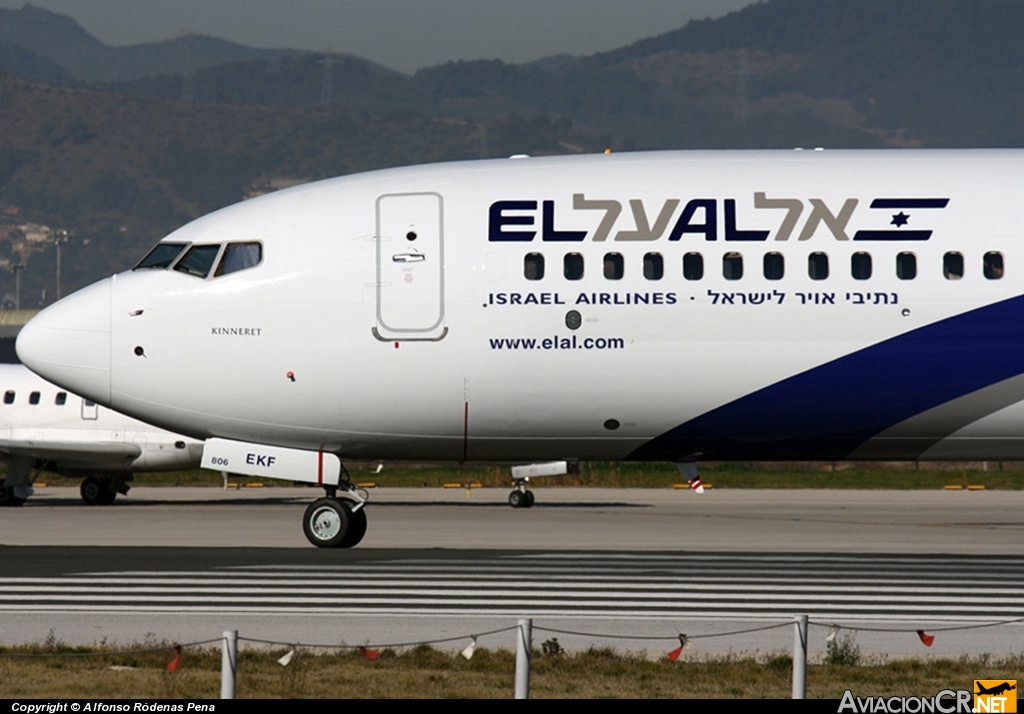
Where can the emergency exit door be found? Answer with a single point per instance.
(410, 267)
(90, 410)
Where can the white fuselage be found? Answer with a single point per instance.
(400, 314)
(67, 433)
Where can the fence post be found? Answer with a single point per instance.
(800, 657)
(524, 637)
(228, 664)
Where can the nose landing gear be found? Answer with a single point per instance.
(336, 521)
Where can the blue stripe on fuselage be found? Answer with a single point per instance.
(826, 412)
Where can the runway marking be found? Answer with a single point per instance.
(618, 585)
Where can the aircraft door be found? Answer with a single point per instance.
(90, 410)
(410, 267)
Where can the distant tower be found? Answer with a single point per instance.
(327, 88)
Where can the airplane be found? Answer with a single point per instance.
(662, 306)
(43, 426)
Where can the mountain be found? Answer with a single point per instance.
(937, 73)
(840, 73)
(783, 73)
(65, 43)
(121, 171)
(55, 37)
(122, 144)
(21, 62)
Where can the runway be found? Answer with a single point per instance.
(965, 523)
(437, 565)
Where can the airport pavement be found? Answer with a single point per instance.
(960, 522)
(630, 565)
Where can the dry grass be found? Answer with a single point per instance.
(56, 671)
(818, 474)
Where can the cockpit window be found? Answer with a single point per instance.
(161, 256)
(198, 260)
(239, 256)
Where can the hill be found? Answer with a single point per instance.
(122, 144)
(67, 45)
(122, 171)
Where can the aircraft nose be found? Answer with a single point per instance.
(68, 343)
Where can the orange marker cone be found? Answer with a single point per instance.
(173, 665)
(674, 654)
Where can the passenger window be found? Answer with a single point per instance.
(993, 265)
(573, 266)
(817, 266)
(732, 266)
(953, 265)
(860, 266)
(61, 399)
(613, 266)
(198, 260)
(774, 266)
(9, 396)
(239, 256)
(533, 266)
(906, 266)
(654, 266)
(33, 398)
(161, 256)
(693, 266)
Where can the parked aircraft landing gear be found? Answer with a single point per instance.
(16, 486)
(7, 497)
(98, 491)
(521, 497)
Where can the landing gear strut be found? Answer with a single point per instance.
(689, 470)
(336, 521)
(521, 496)
(16, 486)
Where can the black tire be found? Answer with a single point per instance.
(7, 497)
(91, 491)
(108, 491)
(356, 529)
(529, 500)
(516, 499)
(326, 522)
(98, 491)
